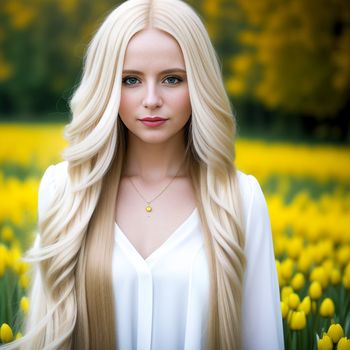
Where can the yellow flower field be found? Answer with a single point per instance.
(308, 193)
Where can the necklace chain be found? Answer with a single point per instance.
(149, 207)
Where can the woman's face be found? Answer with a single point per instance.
(154, 85)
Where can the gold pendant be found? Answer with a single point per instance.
(148, 208)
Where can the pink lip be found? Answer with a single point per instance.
(152, 124)
(153, 121)
(155, 118)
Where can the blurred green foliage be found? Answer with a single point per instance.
(43, 44)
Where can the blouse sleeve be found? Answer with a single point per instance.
(46, 191)
(262, 320)
(45, 195)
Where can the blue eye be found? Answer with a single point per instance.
(172, 80)
(130, 81)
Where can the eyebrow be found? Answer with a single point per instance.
(166, 71)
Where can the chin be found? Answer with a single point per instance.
(158, 137)
(154, 139)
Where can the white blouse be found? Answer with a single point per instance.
(162, 301)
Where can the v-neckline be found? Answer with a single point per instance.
(171, 238)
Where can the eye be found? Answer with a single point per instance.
(172, 80)
(130, 80)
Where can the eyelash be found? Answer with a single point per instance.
(179, 80)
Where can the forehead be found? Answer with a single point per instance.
(153, 48)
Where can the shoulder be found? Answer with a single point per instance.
(54, 176)
(247, 183)
(251, 192)
(256, 220)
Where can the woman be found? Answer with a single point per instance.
(150, 238)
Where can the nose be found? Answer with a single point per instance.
(152, 98)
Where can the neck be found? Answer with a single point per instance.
(153, 162)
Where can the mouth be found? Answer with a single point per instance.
(153, 121)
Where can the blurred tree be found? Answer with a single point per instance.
(41, 50)
(295, 56)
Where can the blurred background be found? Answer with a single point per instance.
(286, 66)
(286, 63)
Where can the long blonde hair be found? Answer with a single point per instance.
(72, 300)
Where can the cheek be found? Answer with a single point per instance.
(181, 102)
(186, 104)
(127, 101)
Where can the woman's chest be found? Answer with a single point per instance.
(148, 230)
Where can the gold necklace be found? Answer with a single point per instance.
(148, 207)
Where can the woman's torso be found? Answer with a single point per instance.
(160, 274)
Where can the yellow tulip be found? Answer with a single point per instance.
(304, 262)
(298, 281)
(335, 276)
(327, 308)
(23, 267)
(315, 290)
(3, 259)
(284, 309)
(7, 233)
(294, 247)
(16, 266)
(24, 281)
(6, 334)
(335, 332)
(328, 265)
(2, 266)
(279, 245)
(285, 292)
(325, 343)
(297, 320)
(14, 254)
(24, 305)
(19, 335)
(293, 301)
(287, 267)
(281, 280)
(319, 274)
(305, 305)
(343, 344)
(325, 248)
(343, 254)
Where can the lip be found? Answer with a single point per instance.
(152, 124)
(154, 118)
(153, 121)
